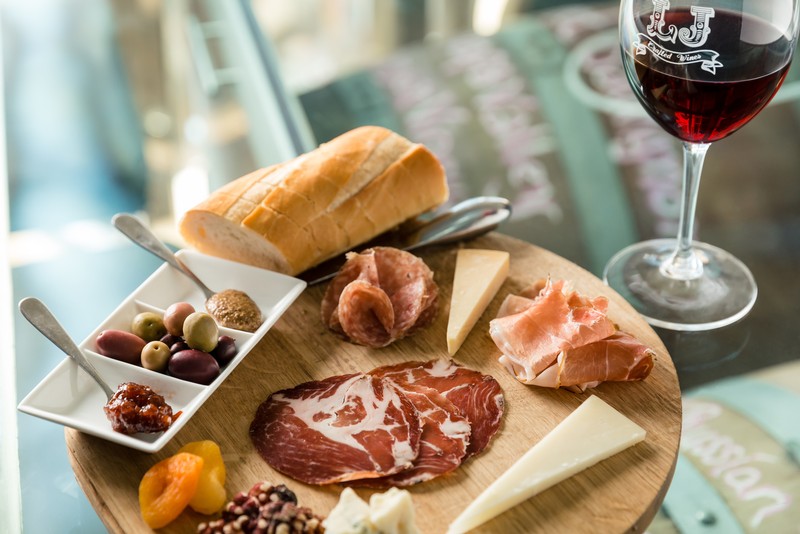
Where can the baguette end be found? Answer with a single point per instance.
(215, 235)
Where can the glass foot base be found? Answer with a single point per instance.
(724, 293)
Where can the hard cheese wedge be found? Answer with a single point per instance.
(478, 276)
(588, 435)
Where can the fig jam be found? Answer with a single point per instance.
(137, 408)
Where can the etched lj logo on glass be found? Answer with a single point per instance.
(693, 37)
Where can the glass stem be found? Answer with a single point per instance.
(683, 263)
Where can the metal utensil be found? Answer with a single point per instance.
(465, 220)
(45, 322)
(140, 234)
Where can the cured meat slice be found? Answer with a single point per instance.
(366, 314)
(357, 301)
(590, 350)
(342, 428)
(618, 358)
(409, 283)
(478, 397)
(514, 304)
(357, 267)
(519, 303)
(443, 443)
(555, 321)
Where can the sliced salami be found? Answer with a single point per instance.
(356, 301)
(365, 314)
(357, 267)
(478, 397)
(409, 283)
(342, 428)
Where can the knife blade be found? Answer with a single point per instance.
(467, 219)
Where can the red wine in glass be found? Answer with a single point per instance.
(701, 69)
(705, 107)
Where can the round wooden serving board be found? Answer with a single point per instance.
(619, 494)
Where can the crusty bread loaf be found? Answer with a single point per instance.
(294, 215)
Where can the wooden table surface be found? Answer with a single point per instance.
(619, 494)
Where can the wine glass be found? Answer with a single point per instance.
(701, 69)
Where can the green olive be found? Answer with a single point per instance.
(200, 331)
(148, 326)
(155, 356)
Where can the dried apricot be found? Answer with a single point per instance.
(167, 487)
(210, 495)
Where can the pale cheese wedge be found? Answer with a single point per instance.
(391, 512)
(593, 432)
(478, 276)
(349, 516)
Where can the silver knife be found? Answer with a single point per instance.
(467, 219)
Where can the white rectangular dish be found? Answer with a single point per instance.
(69, 396)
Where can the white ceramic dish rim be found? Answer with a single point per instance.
(206, 267)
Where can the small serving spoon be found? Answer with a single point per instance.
(45, 322)
(140, 234)
(227, 311)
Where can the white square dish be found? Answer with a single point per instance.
(69, 396)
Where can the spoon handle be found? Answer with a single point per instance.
(45, 322)
(137, 232)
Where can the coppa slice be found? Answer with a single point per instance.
(478, 397)
(342, 428)
(443, 443)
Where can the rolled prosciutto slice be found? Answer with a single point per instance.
(618, 358)
(379, 296)
(342, 428)
(534, 333)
